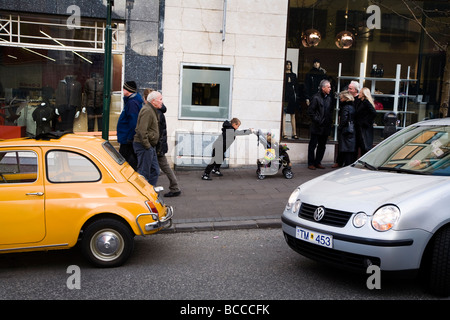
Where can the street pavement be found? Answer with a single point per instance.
(237, 200)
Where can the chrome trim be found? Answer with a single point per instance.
(37, 247)
(165, 222)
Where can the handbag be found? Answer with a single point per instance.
(349, 129)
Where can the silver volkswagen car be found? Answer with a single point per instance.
(391, 208)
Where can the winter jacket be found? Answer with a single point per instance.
(365, 114)
(126, 124)
(147, 127)
(161, 147)
(347, 142)
(320, 111)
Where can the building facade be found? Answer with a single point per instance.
(218, 59)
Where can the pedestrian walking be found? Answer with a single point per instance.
(221, 145)
(126, 125)
(320, 111)
(162, 148)
(147, 137)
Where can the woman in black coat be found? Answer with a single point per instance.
(346, 139)
(364, 118)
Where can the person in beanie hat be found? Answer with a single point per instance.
(126, 125)
(130, 86)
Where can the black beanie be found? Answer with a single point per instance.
(130, 86)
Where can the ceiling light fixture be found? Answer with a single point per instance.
(345, 39)
(311, 37)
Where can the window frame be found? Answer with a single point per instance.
(206, 78)
(47, 171)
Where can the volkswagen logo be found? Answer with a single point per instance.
(319, 213)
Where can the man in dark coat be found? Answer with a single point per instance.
(320, 111)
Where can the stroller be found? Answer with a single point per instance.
(273, 159)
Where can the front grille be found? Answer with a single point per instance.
(332, 217)
(351, 261)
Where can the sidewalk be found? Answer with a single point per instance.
(238, 200)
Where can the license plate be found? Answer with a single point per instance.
(320, 239)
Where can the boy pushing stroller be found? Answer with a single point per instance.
(275, 157)
(221, 145)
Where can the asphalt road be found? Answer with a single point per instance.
(253, 264)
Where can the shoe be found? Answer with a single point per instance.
(206, 177)
(172, 194)
(217, 172)
(311, 167)
(294, 136)
(336, 165)
(319, 166)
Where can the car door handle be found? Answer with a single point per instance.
(35, 194)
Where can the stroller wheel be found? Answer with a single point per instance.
(288, 174)
(259, 175)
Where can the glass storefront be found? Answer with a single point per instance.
(51, 74)
(380, 45)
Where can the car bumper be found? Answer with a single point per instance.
(399, 250)
(158, 224)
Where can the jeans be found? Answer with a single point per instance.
(147, 163)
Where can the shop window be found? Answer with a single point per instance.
(51, 76)
(205, 92)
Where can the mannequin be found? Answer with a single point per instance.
(43, 115)
(313, 78)
(68, 102)
(291, 99)
(93, 89)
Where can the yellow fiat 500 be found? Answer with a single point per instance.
(61, 190)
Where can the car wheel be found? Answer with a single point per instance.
(107, 243)
(439, 272)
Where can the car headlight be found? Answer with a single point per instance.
(293, 199)
(359, 219)
(385, 218)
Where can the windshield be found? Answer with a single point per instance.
(416, 149)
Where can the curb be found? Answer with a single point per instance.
(194, 225)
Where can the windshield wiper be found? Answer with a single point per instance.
(366, 165)
(400, 170)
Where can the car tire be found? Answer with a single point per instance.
(439, 270)
(107, 243)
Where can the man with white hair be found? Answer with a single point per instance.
(353, 88)
(147, 137)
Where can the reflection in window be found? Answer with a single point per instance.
(63, 166)
(18, 167)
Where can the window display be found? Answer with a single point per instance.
(51, 77)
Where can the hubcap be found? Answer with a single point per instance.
(106, 245)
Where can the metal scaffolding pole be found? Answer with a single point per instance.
(107, 72)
